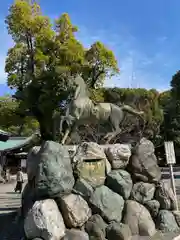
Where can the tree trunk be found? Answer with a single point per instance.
(45, 128)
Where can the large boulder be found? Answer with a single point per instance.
(120, 182)
(54, 173)
(176, 214)
(27, 199)
(93, 171)
(89, 150)
(96, 227)
(44, 221)
(165, 196)
(153, 207)
(118, 231)
(90, 163)
(83, 188)
(75, 234)
(166, 221)
(108, 204)
(75, 210)
(138, 218)
(32, 162)
(143, 163)
(142, 192)
(118, 155)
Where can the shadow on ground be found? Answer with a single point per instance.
(11, 227)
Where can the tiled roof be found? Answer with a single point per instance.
(4, 135)
(14, 143)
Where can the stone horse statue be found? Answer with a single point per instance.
(83, 110)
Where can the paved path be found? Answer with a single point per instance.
(9, 201)
(10, 229)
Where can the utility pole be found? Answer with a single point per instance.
(133, 77)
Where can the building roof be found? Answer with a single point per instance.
(15, 143)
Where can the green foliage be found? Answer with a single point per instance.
(13, 120)
(141, 99)
(164, 98)
(45, 57)
(172, 111)
(100, 63)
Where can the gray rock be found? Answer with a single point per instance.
(177, 217)
(27, 199)
(97, 219)
(138, 218)
(54, 172)
(32, 162)
(166, 221)
(44, 221)
(37, 239)
(142, 192)
(75, 234)
(153, 207)
(108, 167)
(107, 203)
(120, 182)
(94, 232)
(165, 196)
(95, 227)
(118, 231)
(83, 188)
(89, 150)
(75, 210)
(90, 163)
(118, 155)
(143, 163)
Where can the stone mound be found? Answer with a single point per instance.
(97, 193)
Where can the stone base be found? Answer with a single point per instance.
(125, 197)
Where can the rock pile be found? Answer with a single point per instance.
(100, 193)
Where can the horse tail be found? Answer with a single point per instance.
(131, 110)
(139, 114)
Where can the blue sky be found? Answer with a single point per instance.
(144, 36)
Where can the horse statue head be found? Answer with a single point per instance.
(81, 87)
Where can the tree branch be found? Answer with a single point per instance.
(95, 75)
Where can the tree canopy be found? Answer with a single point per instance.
(40, 65)
(45, 56)
(13, 120)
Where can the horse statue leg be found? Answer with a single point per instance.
(69, 119)
(116, 117)
(109, 136)
(65, 135)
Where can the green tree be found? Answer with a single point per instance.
(13, 120)
(100, 63)
(45, 56)
(141, 99)
(172, 110)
